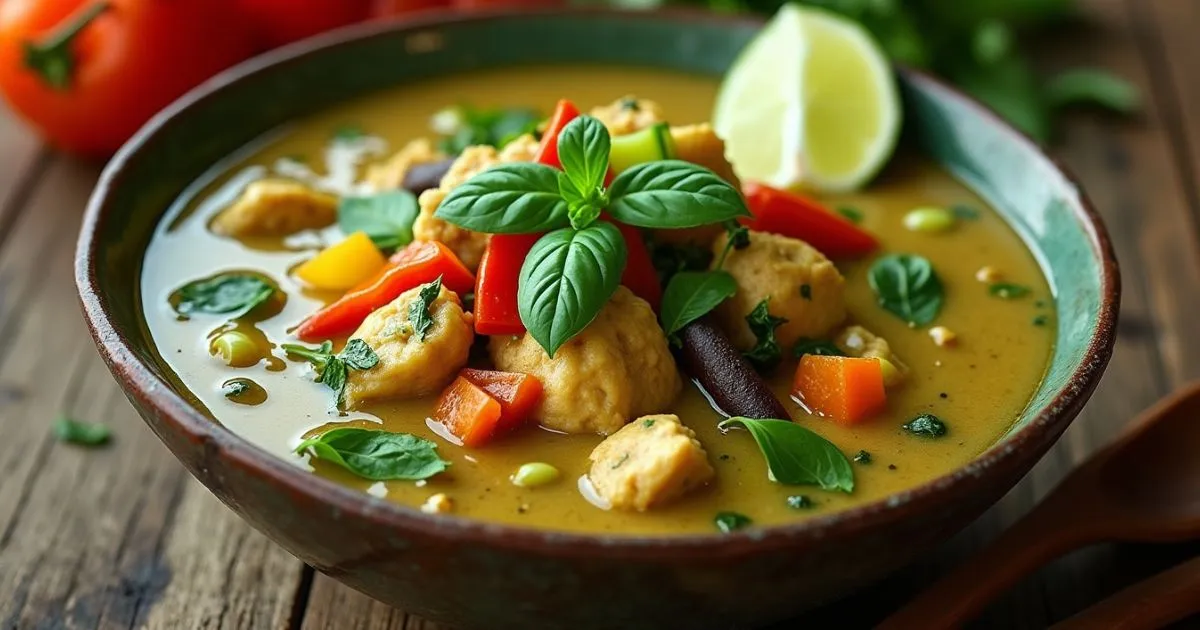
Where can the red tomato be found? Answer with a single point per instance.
(103, 68)
(278, 22)
(386, 8)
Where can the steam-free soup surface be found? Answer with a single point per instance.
(978, 387)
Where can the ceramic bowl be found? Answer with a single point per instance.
(474, 574)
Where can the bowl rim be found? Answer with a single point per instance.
(159, 396)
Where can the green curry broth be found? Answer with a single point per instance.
(979, 387)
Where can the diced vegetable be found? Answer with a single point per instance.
(846, 390)
(929, 220)
(468, 412)
(496, 285)
(564, 112)
(418, 263)
(236, 349)
(343, 265)
(648, 145)
(517, 393)
(792, 215)
(639, 275)
(535, 474)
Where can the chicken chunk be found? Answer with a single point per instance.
(651, 461)
(467, 244)
(389, 174)
(410, 366)
(857, 341)
(618, 368)
(798, 282)
(628, 114)
(276, 207)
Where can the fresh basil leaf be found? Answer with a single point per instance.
(926, 425)
(673, 194)
(332, 369)
(1008, 290)
(358, 355)
(766, 353)
(692, 294)
(386, 217)
(514, 198)
(583, 148)
(81, 433)
(727, 522)
(418, 310)
(1089, 86)
(797, 456)
(376, 455)
(908, 287)
(222, 294)
(566, 279)
(583, 215)
(816, 346)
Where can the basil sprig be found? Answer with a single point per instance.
(418, 311)
(572, 271)
(332, 369)
(567, 278)
(234, 292)
(797, 456)
(387, 217)
(908, 287)
(376, 455)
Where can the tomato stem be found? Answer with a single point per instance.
(53, 59)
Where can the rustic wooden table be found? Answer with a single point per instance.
(123, 537)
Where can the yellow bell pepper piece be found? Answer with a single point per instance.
(344, 265)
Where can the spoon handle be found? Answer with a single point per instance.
(1152, 603)
(1047, 532)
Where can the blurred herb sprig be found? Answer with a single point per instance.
(975, 45)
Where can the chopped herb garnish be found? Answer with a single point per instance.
(1041, 320)
(648, 422)
(223, 294)
(620, 462)
(963, 212)
(817, 347)
(418, 311)
(908, 287)
(727, 522)
(332, 369)
(376, 455)
(862, 457)
(494, 127)
(1008, 290)
(854, 215)
(796, 455)
(800, 502)
(348, 133)
(1039, 303)
(235, 388)
(81, 433)
(766, 353)
(630, 103)
(926, 425)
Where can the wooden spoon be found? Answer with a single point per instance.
(1153, 603)
(1144, 487)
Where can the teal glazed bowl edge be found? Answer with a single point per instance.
(472, 574)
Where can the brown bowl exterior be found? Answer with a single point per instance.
(477, 575)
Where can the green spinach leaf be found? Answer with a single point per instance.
(566, 279)
(797, 456)
(908, 287)
(81, 433)
(418, 310)
(386, 217)
(766, 353)
(514, 198)
(376, 455)
(234, 292)
(692, 294)
(673, 194)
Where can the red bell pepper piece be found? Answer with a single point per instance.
(564, 112)
(418, 263)
(796, 216)
(468, 412)
(639, 275)
(517, 393)
(496, 284)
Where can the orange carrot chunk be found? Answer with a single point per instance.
(516, 392)
(468, 412)
(846, 390)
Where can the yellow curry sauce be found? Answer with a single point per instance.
(978, 387)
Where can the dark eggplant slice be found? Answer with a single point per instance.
(730, 381)
(422, 177)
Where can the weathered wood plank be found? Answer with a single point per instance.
(22, 160)
(333, 606)
(116, 537)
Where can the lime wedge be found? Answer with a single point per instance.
(811, 101)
